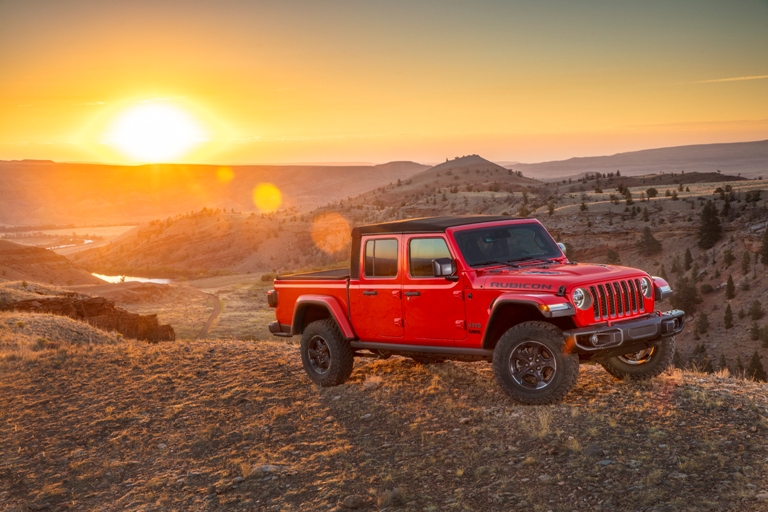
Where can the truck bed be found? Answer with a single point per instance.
(330, 275)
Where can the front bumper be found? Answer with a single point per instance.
(621, 337)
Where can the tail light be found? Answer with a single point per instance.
(272, 298)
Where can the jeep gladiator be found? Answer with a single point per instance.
(477, 288)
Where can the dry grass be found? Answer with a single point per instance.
(24, 336)
(233, 425)
(14, 291)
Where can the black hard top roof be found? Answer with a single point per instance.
(425, 224)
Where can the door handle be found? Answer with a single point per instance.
(412, 294)
(370, 292)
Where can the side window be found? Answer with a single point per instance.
(421, 252)
(381, 258)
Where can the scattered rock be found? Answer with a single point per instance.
(353, 501)
(239, 479)
(606, 462)
(594, 451)
(678, 476)
(365, 416)
(545, 478)
(370, 385)
(162, 446)
(269, 469)
(464, 421)
(762, 496)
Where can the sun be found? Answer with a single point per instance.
(154, 132)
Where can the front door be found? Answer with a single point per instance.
(380, 293)
(433, 306)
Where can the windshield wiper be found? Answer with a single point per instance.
(528, 258)
(494, 262)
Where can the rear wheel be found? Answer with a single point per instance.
(531, 365)
(325, 354)
(645, 364)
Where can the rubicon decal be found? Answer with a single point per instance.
(524, 286)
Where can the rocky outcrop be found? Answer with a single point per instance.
(98, 312)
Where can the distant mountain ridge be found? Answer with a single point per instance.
(748, 159)
(51, 193)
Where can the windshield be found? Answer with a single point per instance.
(506, 244)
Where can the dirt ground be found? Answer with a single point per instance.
(236, 425)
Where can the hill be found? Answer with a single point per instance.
(33, 193)
(747, 159)
(235, 425)
(217, 242)
(435, 191)
(22, 262)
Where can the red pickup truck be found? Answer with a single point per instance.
(477, 288)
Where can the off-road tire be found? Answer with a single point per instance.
(544, 344)
(648, 367)
(325, 354)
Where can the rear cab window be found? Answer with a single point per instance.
(380, 258)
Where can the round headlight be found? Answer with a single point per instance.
(581, 298)
(646, 287)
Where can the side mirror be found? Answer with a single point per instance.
(561, 246)
(444, 267)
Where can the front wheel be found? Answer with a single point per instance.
(642, 365)
(326, 356)
(532, 366)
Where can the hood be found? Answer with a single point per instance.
(549, 278)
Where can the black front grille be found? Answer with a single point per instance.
(617, 299)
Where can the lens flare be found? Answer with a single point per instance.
(267, 197)
(330, 232)
(225, 174)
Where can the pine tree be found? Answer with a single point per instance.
(745, 262)
(648, 245)
(663, 274)
(764, 248)
(702, 323)
(686, 296)
(756, 310)
(730, 288)
(688, 260)
(677, 360)
(739, 367)
(675, 265)
(723, 364)
(710, 230)
(754, 332)
(728, 318)
(742, 314)
(756, 371)
(612, 257)
(695, 272)
(728, 257)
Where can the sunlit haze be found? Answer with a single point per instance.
(264, 82)
(154, 132)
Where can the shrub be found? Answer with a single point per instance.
(268, 276)
(756, 310)
(707, 288)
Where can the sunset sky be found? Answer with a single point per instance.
(358, 81)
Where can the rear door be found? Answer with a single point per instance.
(433, 306)
(380, 289)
